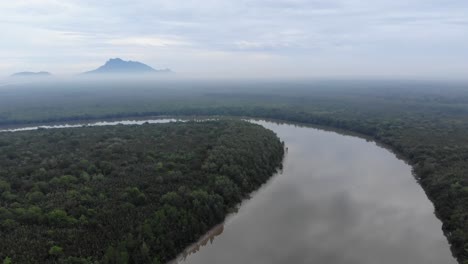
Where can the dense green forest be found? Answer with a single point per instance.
(424, 122)
(125, 194)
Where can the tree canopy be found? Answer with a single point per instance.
(125, 194)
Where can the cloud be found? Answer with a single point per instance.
(149, 41)
(380, 34)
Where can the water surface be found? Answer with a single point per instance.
(339, 200)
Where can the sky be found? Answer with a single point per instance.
(240, 38)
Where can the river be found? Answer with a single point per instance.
(338, 200)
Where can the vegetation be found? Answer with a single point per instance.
(424, 122)
(125, 194)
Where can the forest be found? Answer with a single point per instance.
(125, 194)
(423, 122)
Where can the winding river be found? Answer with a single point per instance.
(339, 200)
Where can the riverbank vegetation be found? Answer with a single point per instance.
(125, 194)
(426, 123)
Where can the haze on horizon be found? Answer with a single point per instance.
(256, 38)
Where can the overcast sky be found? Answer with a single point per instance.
(232, 38)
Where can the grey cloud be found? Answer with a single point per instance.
(292, 29)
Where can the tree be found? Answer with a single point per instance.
(134, 196)
(35, 196)
(55, 251)
(144, 250)
(109, 256)
(60, 218)
(226, 188)
(173, 199)
(4, 186)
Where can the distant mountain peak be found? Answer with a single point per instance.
(31, 74)
(119, 66)
(116, 60)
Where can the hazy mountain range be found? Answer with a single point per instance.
(31, 74)
(119, 66)
(112, 66)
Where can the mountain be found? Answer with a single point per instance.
(119, 66)
(31, 74)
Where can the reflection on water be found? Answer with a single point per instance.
(340, 199)
(209, 237)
